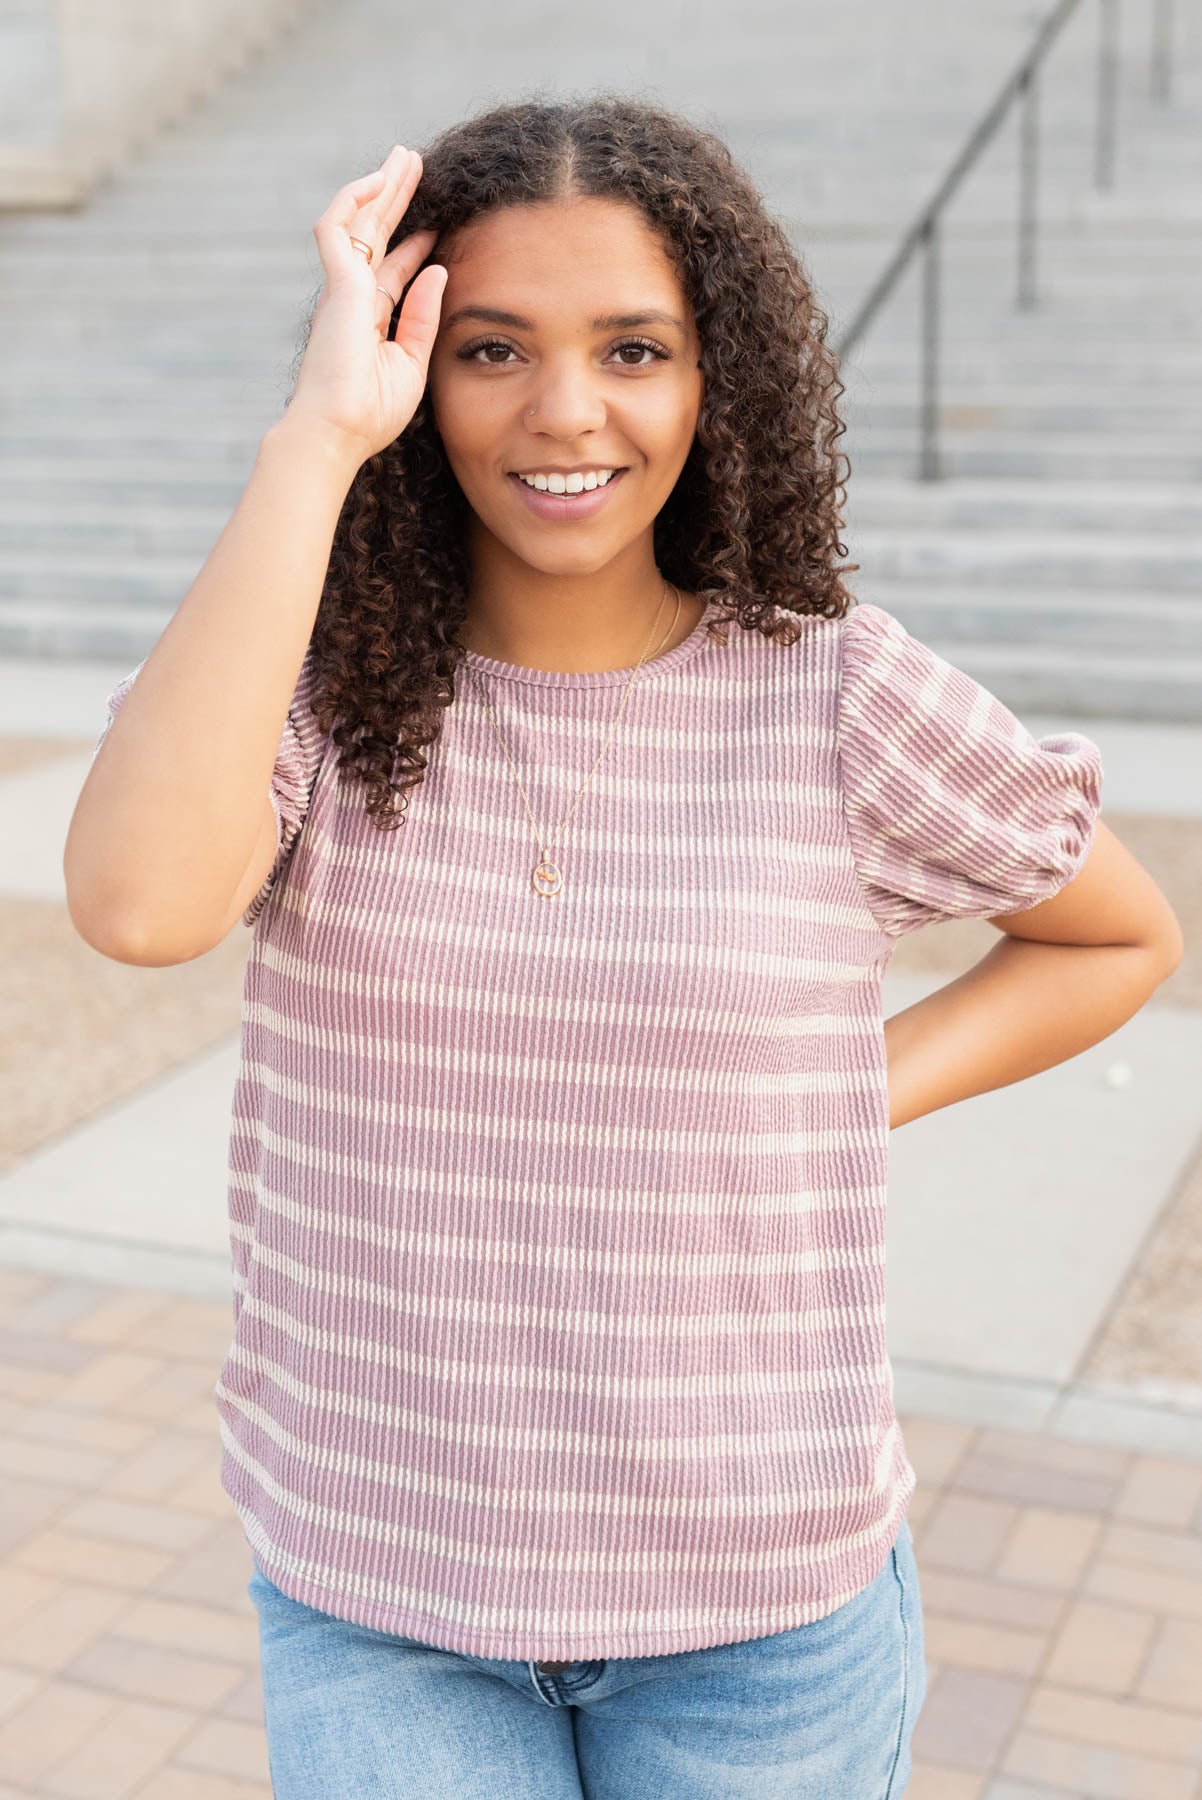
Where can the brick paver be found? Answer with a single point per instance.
(1061, 1584)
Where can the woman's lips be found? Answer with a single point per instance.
(566, 506)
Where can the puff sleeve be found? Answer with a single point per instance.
(297, 759)
(954, 809)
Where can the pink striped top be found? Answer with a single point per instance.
(558, 1224)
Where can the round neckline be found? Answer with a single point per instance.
(564, 678)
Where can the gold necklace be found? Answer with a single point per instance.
(546, 877)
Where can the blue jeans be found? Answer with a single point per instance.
(822, 1712)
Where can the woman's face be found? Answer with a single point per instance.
(566, 343)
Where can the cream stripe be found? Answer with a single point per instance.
(535, 1446)
(869, 1379)
(607, 1325)
(636, 1136)
(483, 1190)
(433, 994)
(681, 953)
(508, 1253)
(402, 1050)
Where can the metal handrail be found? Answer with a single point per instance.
(924, 233)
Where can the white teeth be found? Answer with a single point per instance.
(568, 484)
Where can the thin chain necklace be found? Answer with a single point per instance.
(546, 877)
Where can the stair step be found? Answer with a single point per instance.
(1058, 618)
(965, 455)
(103, 632)
(995, 502)
(136, 533)
(1078, 559)
(86, 577)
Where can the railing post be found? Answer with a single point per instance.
(1027, 188)
(1108, 62)
(1162, 49)
(929, 469)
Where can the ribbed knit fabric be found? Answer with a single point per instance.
(558, 1224)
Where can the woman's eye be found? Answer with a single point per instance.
(479, 350)
(471, 351)
(658, 353)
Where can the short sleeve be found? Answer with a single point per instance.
(114, 701)
(297, 759)
(954, 809)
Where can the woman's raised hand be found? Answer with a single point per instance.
(353, 382)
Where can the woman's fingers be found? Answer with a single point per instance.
(330, 231)
(397, 269)
(376, 216)
(354, 211)
(417, 325)
(399, 265)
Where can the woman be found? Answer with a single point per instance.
(558, 1413)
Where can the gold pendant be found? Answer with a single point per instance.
(546, 878)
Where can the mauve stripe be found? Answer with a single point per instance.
(558, 1227)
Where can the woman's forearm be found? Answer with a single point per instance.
(1023, 1008)
(168, 816)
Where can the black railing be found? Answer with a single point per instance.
(923, 235)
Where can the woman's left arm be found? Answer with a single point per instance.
(1067, 973)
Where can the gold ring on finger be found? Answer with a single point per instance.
(366, 248)
(386, 294)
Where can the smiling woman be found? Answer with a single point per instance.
(568, 421)
(617, 298)
(557, 1174)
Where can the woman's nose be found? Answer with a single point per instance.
(566, 401)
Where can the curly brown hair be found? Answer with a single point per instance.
(753, 521)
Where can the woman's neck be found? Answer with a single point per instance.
(582, 641)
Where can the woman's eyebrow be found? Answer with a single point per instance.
(495, 315)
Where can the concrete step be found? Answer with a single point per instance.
(1075, 559)
(136, 532)
(214, 447)
(107, 631)
(880, 501)
(212, 385)
(1052, 319)
(129, 484)
(1060, 378)
(1043, 616)
(1006, 377)
(87, 577)
(967, 454)
(1180, 418)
